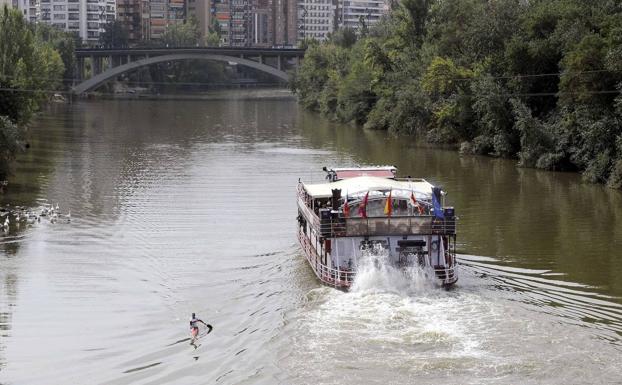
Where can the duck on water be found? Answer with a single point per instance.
(361, 211)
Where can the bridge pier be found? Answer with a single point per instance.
(80, 71)
(278, 62)
(93, 66)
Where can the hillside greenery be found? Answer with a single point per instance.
(535, 80)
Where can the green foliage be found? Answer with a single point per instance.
(115, 35)
(537, 80)
(213, 34)
(29, 68)
(344, 37)
(182, 34)
(212, 39)
(11, 138)
(64, 43)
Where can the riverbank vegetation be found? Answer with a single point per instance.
(34, 60)
(536, 80)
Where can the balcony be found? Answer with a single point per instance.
(363, 227)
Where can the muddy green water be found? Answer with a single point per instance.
(189, 206)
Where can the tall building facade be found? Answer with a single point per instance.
(28, 8)
(285, 22)
(86, 18)
(240, 22)
(263, 26)
(201, 11)
(255, 23)
(130, 13)
(162, 13)
(352, 12)
(316, 19)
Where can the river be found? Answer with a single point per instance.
(180, 207)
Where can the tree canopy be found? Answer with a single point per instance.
(182, 34)
(539, 80)
(30, 67)
(115, 35)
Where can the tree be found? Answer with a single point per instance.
(182, 34)
(115, 35)
(64, 43)
(212, 40)
(344, 37)
(537, 80)
(213, 34)
(29, 69)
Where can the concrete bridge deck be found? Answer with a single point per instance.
(106, 64)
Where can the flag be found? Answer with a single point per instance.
(388, 206)
(436, 202)
(363, 206)
(441, 251)
(416, 204)
(346, 207)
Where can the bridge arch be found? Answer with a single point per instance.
(90, 84)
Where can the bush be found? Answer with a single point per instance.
(11, 141)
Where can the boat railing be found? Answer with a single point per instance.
(336, 277)
(360, 227)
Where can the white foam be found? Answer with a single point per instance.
(375, 273)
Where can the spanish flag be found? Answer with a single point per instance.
(388, 206)
(363, 206)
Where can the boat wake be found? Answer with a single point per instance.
(376, 274)
(498, 326)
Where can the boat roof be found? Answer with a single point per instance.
(340, 173)
(360, 184)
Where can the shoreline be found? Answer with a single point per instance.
(237, 94)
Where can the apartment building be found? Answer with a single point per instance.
(316, 19)
(130, 13)
(87, 18)
(263, 26)
(351, 12)
(201, 11)
(285, 22)
(162, 13)
(28, 8)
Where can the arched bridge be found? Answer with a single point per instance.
(106, 64)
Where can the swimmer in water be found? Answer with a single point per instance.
(194, 326)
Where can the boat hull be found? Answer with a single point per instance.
(344, 278)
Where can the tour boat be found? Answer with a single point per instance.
(363, 211)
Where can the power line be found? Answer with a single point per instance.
(561, 93)
(518, 76)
